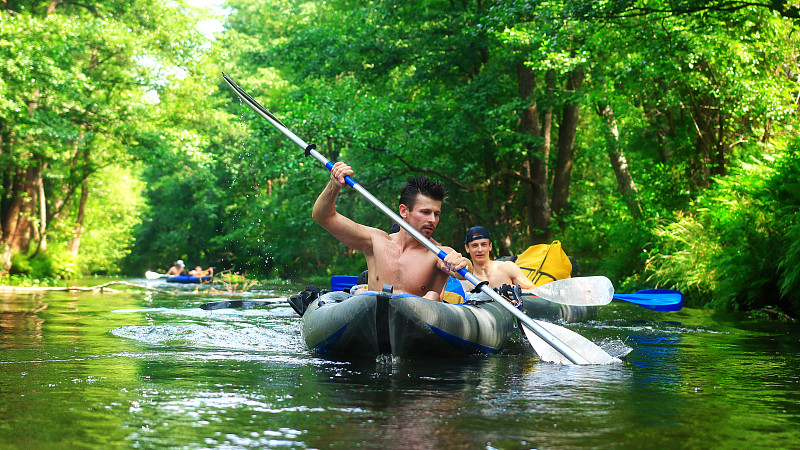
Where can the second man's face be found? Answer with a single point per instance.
(479, 249)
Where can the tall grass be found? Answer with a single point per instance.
(738, 245)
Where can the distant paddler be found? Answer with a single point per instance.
(199, 272)
(177, 269)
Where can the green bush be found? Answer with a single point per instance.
(54, 263)
(20, 264)
(738, 246)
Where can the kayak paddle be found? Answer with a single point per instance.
(578, 291)
(544, 338)
(154, 275)
(655, 299)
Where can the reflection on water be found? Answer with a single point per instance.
(154, 370)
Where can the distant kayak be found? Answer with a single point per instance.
(188, 279)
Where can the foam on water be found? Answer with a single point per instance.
(265, 329)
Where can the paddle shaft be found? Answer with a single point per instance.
(548, 337)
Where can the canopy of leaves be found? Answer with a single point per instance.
(699, 99)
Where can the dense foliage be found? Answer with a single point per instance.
(73, 116)
(655, 140)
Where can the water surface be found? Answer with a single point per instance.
(144, 370)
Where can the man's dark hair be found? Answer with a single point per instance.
(421, 185)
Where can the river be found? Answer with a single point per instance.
(149, 370)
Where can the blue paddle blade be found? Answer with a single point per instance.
(655, 299)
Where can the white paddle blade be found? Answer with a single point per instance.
(586, 348)
(579, 291)
(152, 275)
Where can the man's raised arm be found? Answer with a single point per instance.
(348, 232)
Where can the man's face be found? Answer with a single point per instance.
(425, 215)
(479, 249)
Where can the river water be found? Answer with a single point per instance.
(150, 370)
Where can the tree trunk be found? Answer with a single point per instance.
(627, 187)
(722, 150)
(547, 120)
(51, 8)
(566, 143)
(704, 145)
(61, 205)
(10, 216)
(75, 243)
(22, 227)
(42, 210)
(534, 166)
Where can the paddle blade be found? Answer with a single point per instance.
(223, 304)
(655, 299)
(579, 291)
(153, 275)
(217, 305)
(586, 348)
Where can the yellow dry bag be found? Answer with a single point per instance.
(544, 263)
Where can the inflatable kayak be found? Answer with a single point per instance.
(535, 307)
(374, 323)
(188, 279)
(539, 308)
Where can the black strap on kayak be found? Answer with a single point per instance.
(382, 320)
(511, 293)
(477, 288)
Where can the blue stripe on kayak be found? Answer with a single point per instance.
(187, 279)
(461, 342)
(408, 295)
(330, 342)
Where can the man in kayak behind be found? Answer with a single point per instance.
(199, 272)
(479, 245)
(177, 269)
(396, 259)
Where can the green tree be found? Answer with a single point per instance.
(73, 101)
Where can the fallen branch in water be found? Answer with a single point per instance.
(772, 313)
(100, 287)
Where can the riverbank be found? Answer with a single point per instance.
(104, 287)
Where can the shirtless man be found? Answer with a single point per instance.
(199, 272)
(177, 269)
(479, 245)
(396, 259)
